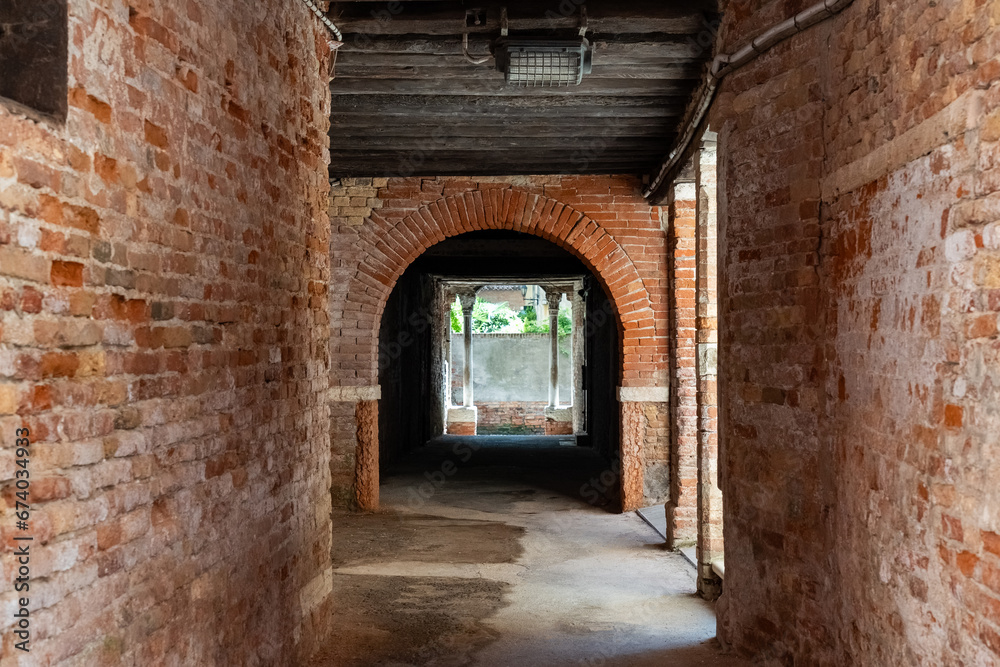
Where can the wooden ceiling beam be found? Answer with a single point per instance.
(449, 19)
(496, 127)
(565, 152)
(358, 51)
(404, 100)
(486, 126)
(493, 85)
(592, 142)
(488, 167)
(459, 70)
(471, 105)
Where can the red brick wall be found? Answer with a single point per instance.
(859, 356)
(657, 452)
(527, 417)
(163, 276)
(381, 225)
(603, 220)
(710, 542)
(682, 507)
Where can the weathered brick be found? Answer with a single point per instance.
(857, 273)
(8, 399)
(155, 135)
(18, 263)
(109, 226)
(67, 273)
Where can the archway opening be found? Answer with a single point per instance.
(426, 418)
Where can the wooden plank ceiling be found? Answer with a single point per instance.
(406, 102)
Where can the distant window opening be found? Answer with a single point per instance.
(525, 374)
(33, 54)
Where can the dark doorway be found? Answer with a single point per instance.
(410, 414)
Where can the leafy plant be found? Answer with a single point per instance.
(531, 325)
(530, 318)
(488, 318)
(565, 327)
(499, 318)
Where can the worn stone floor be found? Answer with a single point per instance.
(486, 554)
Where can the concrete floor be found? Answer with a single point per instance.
(486, 555)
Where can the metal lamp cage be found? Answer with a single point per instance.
(535, 63)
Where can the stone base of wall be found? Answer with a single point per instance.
(462, 421)
(559, 421)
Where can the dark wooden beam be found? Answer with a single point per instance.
(537, 154)
(449, 19)
(457, 145)
(465, 105)
(468, 72)
(664, 46)
(493, 85)
(550, 127)
(405, 102)
(422, 61)
(342, 168)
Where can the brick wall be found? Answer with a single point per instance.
(657, 453)
(710, 524)
(858, 352)
(603, 220)
(682, 526)
(517, 418)
(163, 273)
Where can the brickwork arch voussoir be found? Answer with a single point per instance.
(397, 245)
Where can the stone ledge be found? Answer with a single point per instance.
(561, 414)
(354, 394)
(643, 394)
(461, 415)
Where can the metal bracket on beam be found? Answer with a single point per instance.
(474, 18)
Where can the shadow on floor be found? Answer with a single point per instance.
(553, 463)
(487, 554)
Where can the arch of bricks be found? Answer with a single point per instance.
(387, 244)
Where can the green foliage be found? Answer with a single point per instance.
(530, 319)
(531, 325)
(488, 318)
(565, 327)
(499, 318)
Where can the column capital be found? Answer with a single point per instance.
(467, 297)
(554, 297)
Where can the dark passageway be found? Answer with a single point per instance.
(414, 404)
(553, 463)
(245, 253)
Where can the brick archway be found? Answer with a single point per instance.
(387, 244)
